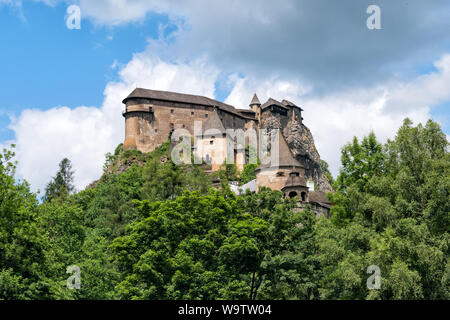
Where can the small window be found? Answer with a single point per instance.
(171, 127)
(211, 142)
(292, 194)
(156, 130)
(280, 174)
(192, 113)
(303, 196)
(171, 111)
(206, 115)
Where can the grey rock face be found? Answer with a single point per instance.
(301, 143)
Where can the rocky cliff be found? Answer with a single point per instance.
(301, 143)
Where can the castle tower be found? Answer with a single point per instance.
(255, 105)
(277, 166)
(139, 117)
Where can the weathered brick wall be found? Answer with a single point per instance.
(151, 129)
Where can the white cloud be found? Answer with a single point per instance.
(86, 134)
(243, 33)
(335, 118)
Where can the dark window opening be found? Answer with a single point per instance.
(292, 194)
(303, 196)
(206, 115)
(171, 111)
(192, 113)
(280, 174)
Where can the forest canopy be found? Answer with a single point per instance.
(149, 229)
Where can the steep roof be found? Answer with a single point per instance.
(214, 122)
(255, 100)
(320, 198)
(285, 156)
(295, 181)
(290, 104)
(182, 98)
(273, 102)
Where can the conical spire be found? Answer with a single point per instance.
(255, 101)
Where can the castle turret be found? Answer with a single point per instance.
(255, 105)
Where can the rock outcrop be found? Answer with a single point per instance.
(301, 143)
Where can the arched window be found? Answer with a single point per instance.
(292, 194)
(303, 196)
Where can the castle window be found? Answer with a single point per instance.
(171, 111)
(211, 142)
(192, 113)
(183, 126)
(206, 115)
(292, 194)
(303, 196)
(156, 130)
(280, 174)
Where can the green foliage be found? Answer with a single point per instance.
(61, 185)
(216, 246)
(360, 162)
(21, 245)
(248, 174)
(227, 173)
(324, 168)
(149, 229)
(397, 197)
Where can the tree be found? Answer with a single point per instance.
(22, 258)
(248, 174)
(61, 186)
(392, 211)
(360, 161)
(218, 246)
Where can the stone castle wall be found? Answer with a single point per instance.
(149, 123)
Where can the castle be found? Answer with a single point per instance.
(152, 116)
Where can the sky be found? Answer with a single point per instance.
(61, 89)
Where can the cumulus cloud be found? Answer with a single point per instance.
(336, 118)
(324, 42)
(86, 134)
(348, 79)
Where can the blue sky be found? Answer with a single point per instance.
(348, 79)
(44, 64)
